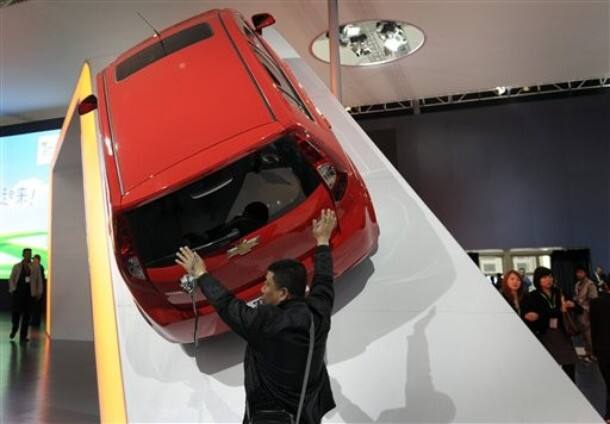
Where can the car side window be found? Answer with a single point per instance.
(280, 80)
(282, 84)
(252, 38)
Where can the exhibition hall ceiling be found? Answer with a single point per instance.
(469, 45)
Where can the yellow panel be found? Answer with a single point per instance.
(107, 356)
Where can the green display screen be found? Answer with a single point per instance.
(25, 161)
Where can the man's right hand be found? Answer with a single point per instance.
(191, 262)
(531, 316)
(324, 226)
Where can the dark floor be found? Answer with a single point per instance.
(46, 381)
(590, 382)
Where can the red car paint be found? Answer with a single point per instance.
(197, 111)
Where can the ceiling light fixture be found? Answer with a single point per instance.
(371, 42)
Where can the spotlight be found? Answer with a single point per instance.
(358, 44)
(500, 90)
(387, 29)
(358, 39)
(392, 35)
(351, 30)
(393, 44)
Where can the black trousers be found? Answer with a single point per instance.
(604, 366)
(37, 310)
(22, 304)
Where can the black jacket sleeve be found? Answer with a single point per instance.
(322, 292)
(247, 322)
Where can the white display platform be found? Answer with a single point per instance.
(418, 334)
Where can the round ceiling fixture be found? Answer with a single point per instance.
(371, 42)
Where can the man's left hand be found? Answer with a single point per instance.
(191, 262)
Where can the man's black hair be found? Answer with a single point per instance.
(290, 274)
(581, 267)
(27, 249)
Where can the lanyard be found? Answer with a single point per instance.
(551, 302)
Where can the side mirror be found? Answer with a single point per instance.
(262, 20)
(88, 104)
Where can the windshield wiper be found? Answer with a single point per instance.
(219, 242)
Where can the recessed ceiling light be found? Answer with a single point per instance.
(500, 90)
(371, 42)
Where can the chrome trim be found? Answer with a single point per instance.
(212, 190)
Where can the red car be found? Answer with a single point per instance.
(209, 141)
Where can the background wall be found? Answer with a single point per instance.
(528, 174)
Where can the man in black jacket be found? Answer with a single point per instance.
(277, 331)
(600, 336)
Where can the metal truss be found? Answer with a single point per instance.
(415, 106)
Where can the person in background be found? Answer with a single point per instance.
(585, 290)
(543, 311)
(527, 283)
(25, 285)
(513, 290)
(38, 305)
(600, 337)
(600, 277)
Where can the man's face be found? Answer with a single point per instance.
(271, 294)
(580, 274)
(599, 270)
(27, 255)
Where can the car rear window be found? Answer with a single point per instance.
(163, 47)
(225, 205)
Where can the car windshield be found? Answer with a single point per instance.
(225, 205)
(163, 47)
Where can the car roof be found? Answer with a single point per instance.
(180, 103)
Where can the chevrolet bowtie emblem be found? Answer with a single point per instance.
(244, 247)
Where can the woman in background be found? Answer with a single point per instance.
(513, 290)
(543, 311)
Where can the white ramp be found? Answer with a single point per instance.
(418, 334)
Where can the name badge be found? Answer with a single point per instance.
(553, 323)
(27, 279)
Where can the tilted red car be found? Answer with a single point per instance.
(209, 141)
